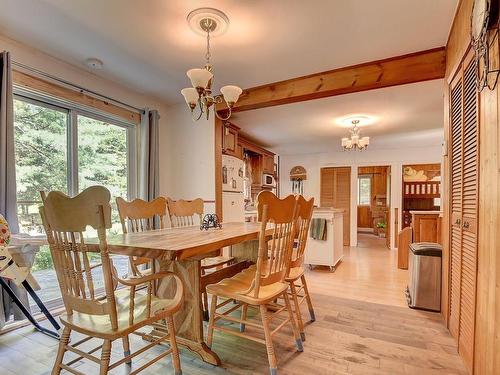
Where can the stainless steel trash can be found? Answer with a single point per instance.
(424, 284)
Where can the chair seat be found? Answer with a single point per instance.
(295, 273)
(236, 286)
(100, 325)
(217, 261)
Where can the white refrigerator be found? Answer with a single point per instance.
(233, 201)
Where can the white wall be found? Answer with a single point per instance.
(37, 59)
(192, 160)
(393, 157)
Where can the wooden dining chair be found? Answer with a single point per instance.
(139, 216)
(188, 213)
(300, 292)
(263, 283)
(104, 316)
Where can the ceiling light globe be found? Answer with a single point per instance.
(344, 141)
(199, 77)
(190, 96)
(231, 94)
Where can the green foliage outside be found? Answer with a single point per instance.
(41, 141)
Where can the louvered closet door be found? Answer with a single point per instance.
(469, 214)
(464, 208)
(456, 205)
(327, 186)
(336, 192)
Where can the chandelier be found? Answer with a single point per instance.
(355, 142)
(199, 98)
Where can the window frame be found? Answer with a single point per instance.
(363, 177)
(74, 110)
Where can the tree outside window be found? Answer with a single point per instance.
(364, 190)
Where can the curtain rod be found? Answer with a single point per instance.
(75, 86)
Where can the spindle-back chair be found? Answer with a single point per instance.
(188, 213)
(139, 216)
(115, 314)
(260, 285)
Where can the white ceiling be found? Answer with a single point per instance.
(148, 46)
(410, 114)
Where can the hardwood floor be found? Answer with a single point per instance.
(362, 327)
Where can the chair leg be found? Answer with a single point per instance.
(56, 370)
(173, 344)
(105, 357)
(308, 298)
(126, 348)
(298, 314)
(271, 356)
(296, 334)
(211, 322)
(205, 305)
(244, 310)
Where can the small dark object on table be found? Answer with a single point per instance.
(210, 221)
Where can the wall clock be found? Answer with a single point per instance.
(479, 19)
(484, 41)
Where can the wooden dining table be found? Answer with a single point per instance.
(181, 250)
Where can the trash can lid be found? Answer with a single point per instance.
(429, 249)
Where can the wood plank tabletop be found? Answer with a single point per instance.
(180, 243)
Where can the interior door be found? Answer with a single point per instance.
(464, 208)
(335, 191)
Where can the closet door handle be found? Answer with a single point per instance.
(466, 225)
(457, 222)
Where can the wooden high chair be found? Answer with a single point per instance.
(111, 316)
(138, 216)
(260, 285)
(188, 213)
(296, 271)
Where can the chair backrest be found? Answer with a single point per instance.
(304, 215)
(140, 215)
(66, 220)
(275, 251)
(183, 213)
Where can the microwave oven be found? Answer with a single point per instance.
(268, 180)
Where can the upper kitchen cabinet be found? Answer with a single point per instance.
(268, 164)
(230, 144)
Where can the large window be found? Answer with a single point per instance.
(63, 147)
(364, 190)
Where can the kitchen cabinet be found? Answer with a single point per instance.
(268, 164)
(426, 226)
(230, 140)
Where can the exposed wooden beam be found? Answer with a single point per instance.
(400, 70)
(41, 85)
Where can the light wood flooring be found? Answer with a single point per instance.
(363, 327)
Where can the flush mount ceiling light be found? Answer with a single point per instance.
(209, 22)
(355, 142)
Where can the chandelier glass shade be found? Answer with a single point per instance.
(199, 97)
(355, 142)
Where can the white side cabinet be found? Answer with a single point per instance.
(330, 252)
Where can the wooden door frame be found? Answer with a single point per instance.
(391, 218)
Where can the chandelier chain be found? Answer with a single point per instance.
(208, 54)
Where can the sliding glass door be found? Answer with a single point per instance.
(62, 147)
